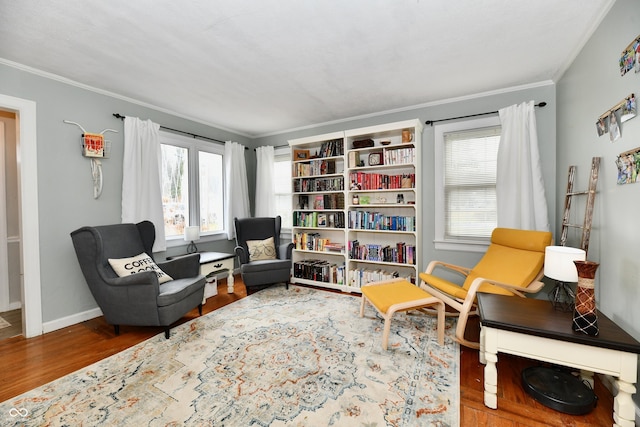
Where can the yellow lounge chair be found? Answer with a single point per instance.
(512, 265)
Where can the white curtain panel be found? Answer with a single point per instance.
(141, 179)
(236, 195)
(265, 187)
(519, 184)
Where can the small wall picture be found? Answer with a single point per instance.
(629, 108)
(628, 167)
(630, 57)
(602, 125)
(614, 127)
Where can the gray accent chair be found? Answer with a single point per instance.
(137, 299)
(262, 272)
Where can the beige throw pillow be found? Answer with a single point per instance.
(143, 262)
(261, 249)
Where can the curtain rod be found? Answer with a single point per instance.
(277, 146)
(121, 117)
(431, 122)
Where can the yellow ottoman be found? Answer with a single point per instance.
(389, 297)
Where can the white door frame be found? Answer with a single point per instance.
(4, 255)
(29, 224)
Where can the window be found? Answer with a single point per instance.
(282, 183)
(192, 185)
(465, 163)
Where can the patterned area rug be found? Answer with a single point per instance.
(297, 357)
(4, 323)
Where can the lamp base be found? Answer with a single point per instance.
(562, 297)
(192, 248)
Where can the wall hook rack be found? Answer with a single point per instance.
(94, 146)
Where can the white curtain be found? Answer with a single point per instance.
(519, 184)
(265, 187)
(236, 195)
(141, 178)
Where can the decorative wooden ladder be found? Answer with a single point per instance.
(588, 215)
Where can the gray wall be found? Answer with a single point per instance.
(65, 189)
(546, 121)
(590, 87)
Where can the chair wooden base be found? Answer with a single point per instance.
(390, 297)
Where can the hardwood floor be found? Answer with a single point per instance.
(29, 363)
(15, 318)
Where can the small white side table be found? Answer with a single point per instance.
(211, 265)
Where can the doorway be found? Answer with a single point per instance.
(10, 254)
(27, 268)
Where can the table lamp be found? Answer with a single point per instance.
(559, 266)
(192, 233)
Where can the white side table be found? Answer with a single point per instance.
(213, 264)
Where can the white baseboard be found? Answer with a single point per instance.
(15, 305)
(63, 322)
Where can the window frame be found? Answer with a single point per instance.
(280, 154)
(441, 242)
(194, 146)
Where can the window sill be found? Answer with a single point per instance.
(462, 245)
(173, 242)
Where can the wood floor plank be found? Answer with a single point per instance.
(30, 363)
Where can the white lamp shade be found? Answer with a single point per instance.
(558, 263)
(191, 233)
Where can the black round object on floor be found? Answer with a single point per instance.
(558, 390)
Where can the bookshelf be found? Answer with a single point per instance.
(356, 206)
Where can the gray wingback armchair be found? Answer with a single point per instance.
(264, 271)
(137, 299)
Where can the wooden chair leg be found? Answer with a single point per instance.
(200, 309)
(440, 324)
(167, 332)
(387, 330)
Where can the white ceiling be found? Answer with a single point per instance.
(258, 67)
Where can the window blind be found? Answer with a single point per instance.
(470, 182)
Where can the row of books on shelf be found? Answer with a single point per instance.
(400, 156)
(334, 147)
(361, 276)
(325, 271)
(314, 167)
(318, 184)
(321, 201)
(319, 270)
(315, 242)
(317, 219)
(400, 253)
(364, 220)
(378, 181)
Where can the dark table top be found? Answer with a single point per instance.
(539, 318)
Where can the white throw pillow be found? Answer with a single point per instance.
(261, 249)
(137, 264)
